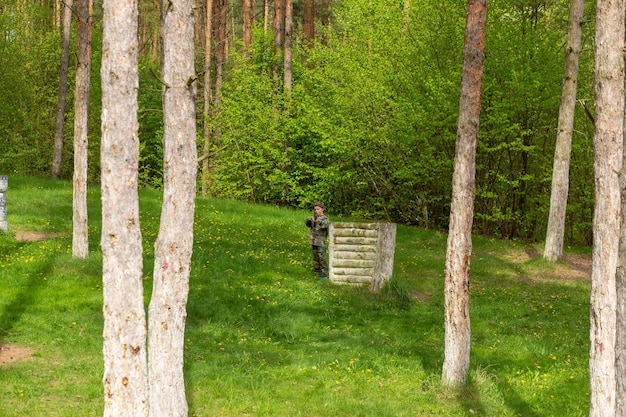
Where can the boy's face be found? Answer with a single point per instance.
(319, 211)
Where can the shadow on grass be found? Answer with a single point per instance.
(29, 289)
(471, 399)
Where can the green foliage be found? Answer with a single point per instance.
(29, 58)
(369, 126)
(150, 119)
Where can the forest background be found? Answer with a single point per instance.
(369, 124)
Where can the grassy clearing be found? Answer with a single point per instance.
(266, 338)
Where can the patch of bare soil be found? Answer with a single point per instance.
(420, 297)
(580, 266)
(14, 353)
(572, 268)
(31, 236)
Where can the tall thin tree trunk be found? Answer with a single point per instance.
(608, 146)
(156, 31)
(208, 100)
(246, 8)
(174, 245)
(125, 369)
(66, 30)
(459, 250)
(620, 288)
(308, 25)
(553, 250)
(287, 64)
(221, 25)
(279, 24)
(80, 237)
(620, 291)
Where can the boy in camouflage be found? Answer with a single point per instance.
(319, 224)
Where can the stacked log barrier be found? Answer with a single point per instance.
(361, 253)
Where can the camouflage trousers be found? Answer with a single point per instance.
(320, 263)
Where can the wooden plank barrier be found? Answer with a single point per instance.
(361, 253)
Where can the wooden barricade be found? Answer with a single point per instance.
(361, 253)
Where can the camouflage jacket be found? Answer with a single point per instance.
(319, 230)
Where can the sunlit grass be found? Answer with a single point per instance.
(266, 338)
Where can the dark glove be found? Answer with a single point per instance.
(309, 222)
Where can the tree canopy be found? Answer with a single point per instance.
(372, 111)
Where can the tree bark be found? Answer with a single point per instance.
(553, 250)
(309, 23)
(246, 10)
(125, 370)
(279, 24)
(620, 289)
(221, 22)
(208, 100)
(608, 146)
(287, 64)
(66, 29)
(173, 248)
(459, 250)
(80, 237)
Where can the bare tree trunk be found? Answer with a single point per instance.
(156, 32)
(457, 297)
(208, 100)
(80, 237)
(620, 290)
(308, 25)
(326, 18)
(246, 8)
(287, 64)
(125, 370)
(608, 146)
(553, 250)
(620, 285)
(66, 29)
(221, 14)
(266, 15)
(174, 245)
(279, 24)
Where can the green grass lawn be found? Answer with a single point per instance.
(266, 338)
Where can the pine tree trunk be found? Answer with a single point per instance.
(279, 24)
(553, 250)
(459, 250)
(620, 285)
(620, 289)
(125, 370)
(173, 248)
(247, 24)
(66, 29)
(80, 237)
(208, 101)
(608, 146)
(287, 64)
(308, 25)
